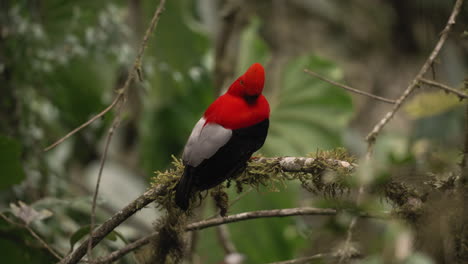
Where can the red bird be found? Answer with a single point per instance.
(232, 128)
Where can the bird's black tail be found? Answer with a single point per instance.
(184, 188)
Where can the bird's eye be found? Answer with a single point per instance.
(241, 82)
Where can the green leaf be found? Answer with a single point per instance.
(10, 159)
(79, 234)
(432, 103)
(307, 114)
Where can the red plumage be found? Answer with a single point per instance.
(233, 127)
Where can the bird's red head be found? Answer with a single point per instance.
(250, 83)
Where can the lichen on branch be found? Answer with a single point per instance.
(322, 172)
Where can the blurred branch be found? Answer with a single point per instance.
(71, 133)
(444, 87)
(224, 238)
(114, 126)
(371, 137)
(34, 234)
(302, 164)
(347, 250)
(233, 20)
(349, 88)
(133, 72)
(306, 259)
(109, 225)
(464, 162)
(226, 220)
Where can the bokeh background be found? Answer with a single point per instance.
(62, 61)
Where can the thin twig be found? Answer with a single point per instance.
(224, 238)
(347, 251)
(118, 97)
(464, 162)
(306, 259)
(444, 87)
(415, 82)
(260, 214)
(114, 126)
(35, 235)
(226, 220)
(349, 88)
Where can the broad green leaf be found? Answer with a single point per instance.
(10, 159)
(79, 234)
(307, 114)
(431, 103)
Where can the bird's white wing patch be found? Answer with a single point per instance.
(204, 141)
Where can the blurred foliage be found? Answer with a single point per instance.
(60, 63)
(432, 103)
(304, 108)
(10, 158)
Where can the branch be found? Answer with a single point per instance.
(233, 19)
(287, 164)
(229, 219)
(444, 87)
(109, 225)
(34, 234)
(306, 259)
(349, 88)
(259, 214)
(71, 133)
(302, 164)
(464, 162)
(114, 126)
(415, 82)
(225, 240)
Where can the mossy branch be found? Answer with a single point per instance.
(311, 171)
(323, 172)
(326, 172)
(163, 185)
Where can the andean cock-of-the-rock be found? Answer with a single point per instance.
(233, 127)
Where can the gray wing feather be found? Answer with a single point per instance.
(204, 141)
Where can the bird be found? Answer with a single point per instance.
(232, 128)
